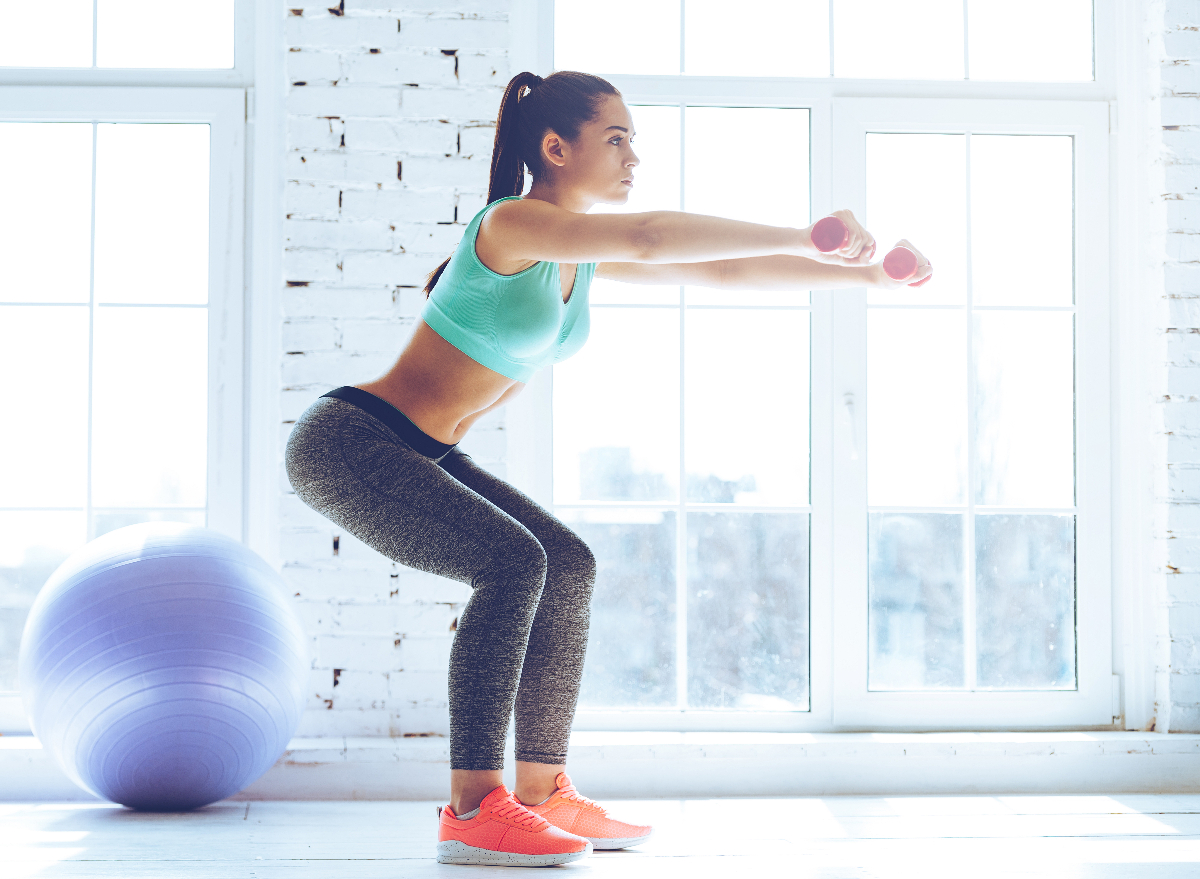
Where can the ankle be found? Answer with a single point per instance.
(464, 804)
(468, 787)
(533, 796)
(536, 782)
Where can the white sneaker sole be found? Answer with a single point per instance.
(620, 842)
(452, 851)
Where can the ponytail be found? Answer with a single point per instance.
(562, 102)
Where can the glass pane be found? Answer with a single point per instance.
(150, 415)
(151, 33)
(898, 39)
(111, 520)
(43, 444)
(917, 189)
(631, 648)
(152, 213)
(1022, 208)
(629, 36)
(1024, 408)
(916, 601)
(655, 188)
(45, 247)
(916, 407)
(32, 36)
(32, 545)
(774, 192)
(1025, 601)
(796, 42)
(729, 408)
(1030, 39)
(616, 410)
(748, 611)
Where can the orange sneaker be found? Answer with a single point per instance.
(568, 809)
(505, 833)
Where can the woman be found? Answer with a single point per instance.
(380, 458)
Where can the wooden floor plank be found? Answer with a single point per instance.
(1065, 837)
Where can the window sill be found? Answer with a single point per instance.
(710, 764)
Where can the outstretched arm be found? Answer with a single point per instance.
(533, 229)
(776, 272)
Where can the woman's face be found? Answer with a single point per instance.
(599, 164)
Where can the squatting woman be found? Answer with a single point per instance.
(381, 459)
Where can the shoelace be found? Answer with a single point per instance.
(569, 793)
(511, 809)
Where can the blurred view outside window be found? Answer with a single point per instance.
(681, 442)
(104, 287)
(681, 433)
(970, 417)
(104, 335)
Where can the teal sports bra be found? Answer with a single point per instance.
(513, 324)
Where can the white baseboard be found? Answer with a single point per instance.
(630, 765)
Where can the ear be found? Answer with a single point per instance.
(553, 149)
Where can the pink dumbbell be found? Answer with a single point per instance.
(830, 233)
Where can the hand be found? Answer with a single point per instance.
(880, 279)
(857, 251)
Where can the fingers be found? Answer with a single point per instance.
(860, 244)
(924, 273)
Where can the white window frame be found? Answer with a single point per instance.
(1032, 108)
(245, 234)
(1091, 703)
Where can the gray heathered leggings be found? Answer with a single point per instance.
(523, 634)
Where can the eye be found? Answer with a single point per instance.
(617, 138)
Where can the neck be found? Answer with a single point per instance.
(568, 200)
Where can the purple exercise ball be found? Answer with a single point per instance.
(164, 666)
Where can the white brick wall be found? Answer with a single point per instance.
(1178, 515)
(390, 119)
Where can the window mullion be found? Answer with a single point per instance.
(89, 523)
(966, 42)
(681, 594)
(970, 651)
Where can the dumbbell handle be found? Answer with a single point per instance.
(829, 233)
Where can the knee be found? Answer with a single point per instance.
(575, 561)
(524, 556)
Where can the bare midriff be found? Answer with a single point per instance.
(439, 388)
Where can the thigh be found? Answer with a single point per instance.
(555, 536)
(352, 469)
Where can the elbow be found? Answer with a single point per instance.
(646, 238)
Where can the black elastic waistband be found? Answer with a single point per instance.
(418, 439)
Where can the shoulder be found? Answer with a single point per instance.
(507, 228)
(498, 233)
(521, 214)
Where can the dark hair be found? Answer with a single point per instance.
(562, 102)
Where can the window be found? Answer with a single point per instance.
(120, 295)
(940, 564)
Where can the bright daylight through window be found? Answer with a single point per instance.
(683, 435)
(104, 293)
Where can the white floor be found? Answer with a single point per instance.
(1126, 835)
